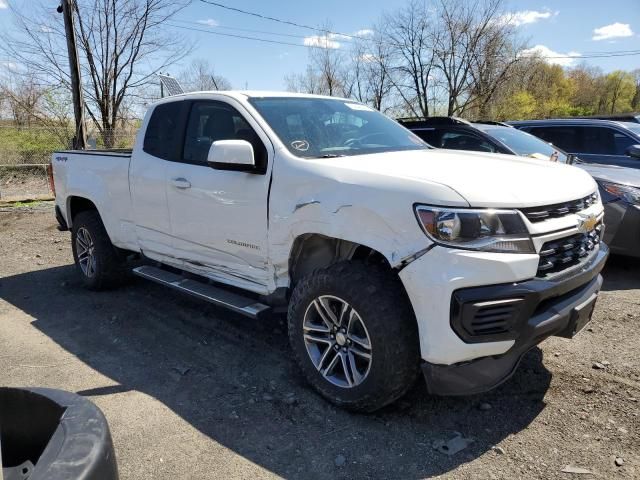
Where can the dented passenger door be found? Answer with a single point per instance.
(219, 217)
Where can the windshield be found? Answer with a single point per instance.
(524, 143)
(634, 127)
(321, 127)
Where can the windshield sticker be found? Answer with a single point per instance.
(358, 106)
(300, 145)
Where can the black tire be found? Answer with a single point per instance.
(379, 299)
(107, 271)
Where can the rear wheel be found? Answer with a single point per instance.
(354, 335)
(96, 259)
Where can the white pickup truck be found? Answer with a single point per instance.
(390, 256)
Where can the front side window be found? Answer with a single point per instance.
(600, 140)
(323, 127)
(622, 142)
(523, 143)
(634, 127)
(210, 121)
(564, 137)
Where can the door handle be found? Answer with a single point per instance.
(181, 183)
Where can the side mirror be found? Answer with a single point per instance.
(231, 155)
(633, 151)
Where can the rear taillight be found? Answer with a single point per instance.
(52, 183)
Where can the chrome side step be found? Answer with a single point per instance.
(210, 293)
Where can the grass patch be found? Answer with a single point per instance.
(26, 203)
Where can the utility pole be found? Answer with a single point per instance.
(80, 139)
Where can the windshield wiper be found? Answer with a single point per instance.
(329, 155)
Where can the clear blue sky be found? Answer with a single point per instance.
(562, 26)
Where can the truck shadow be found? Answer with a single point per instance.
(234, 380)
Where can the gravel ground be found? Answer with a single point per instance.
(191, 391)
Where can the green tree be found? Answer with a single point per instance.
(618, 93)
(517, 106)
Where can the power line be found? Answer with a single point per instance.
(326, 32)
(585, 55)
(621, 53)
(244, 37)
(224, 27)
(279, 20)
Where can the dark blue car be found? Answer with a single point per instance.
(594, 141)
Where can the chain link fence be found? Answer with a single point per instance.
(25, 152)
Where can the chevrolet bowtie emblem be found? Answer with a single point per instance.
(586, 223)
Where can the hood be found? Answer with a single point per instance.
(612, 173)
(482, 179)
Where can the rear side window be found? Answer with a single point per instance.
(566, 138)
(456, 140)
(163, 132)
(210, 121)
(429, 135)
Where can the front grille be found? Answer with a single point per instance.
(558, 255)
(538, 214)
(494, 317)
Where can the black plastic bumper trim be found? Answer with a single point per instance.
(552, 315)
(533, 295)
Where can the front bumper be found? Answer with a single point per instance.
(623, 228)
(545, 308)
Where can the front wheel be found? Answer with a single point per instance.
(354, 335)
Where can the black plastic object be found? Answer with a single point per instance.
(54, 435)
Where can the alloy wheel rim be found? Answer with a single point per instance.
(337, 341)
(85, 251)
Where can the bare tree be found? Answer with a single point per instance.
(30, 103)
(122, 46)
(470, 42)
(371, 70)
(22, 94)
(409, 34)
(327, 72)
(306, 82)
(492, 67)
(200, 76)
(328, 63)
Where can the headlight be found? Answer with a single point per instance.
(487, 230)
(624, 192)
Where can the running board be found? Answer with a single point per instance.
(217, 296)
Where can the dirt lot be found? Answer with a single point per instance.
(191, 391)
(21, 183)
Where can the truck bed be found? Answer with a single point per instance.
(102, 177)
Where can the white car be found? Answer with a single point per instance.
(389, 255)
